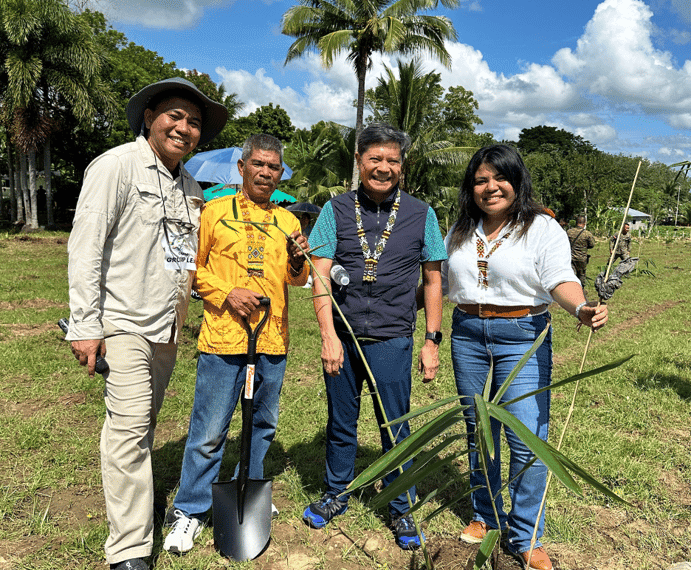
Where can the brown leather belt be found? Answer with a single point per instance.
(487, 311)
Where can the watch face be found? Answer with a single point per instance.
(434, 337)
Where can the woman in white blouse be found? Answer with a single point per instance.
(508, 260)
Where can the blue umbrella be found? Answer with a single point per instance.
(228, 190)
(220, 165)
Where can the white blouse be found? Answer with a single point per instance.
(521, 271)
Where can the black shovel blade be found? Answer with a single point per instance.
(246, 540)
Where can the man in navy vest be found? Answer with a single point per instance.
(382, 237)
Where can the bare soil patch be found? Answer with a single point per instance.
(37, 304)
(608, 332)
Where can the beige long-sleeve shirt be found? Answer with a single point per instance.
(117, 264)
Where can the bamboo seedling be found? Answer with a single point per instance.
(370, 377)
(445, 428)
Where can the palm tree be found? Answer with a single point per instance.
(320, 159)
(412, 102)
(50, 65)
(364, 27)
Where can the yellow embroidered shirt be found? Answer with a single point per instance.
(222, 264)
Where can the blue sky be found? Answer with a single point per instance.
(617, 72)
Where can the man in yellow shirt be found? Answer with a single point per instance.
(237, 265)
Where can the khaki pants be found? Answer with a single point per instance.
(134, 388)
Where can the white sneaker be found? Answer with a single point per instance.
(181, 537)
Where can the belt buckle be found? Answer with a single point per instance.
(479, 311)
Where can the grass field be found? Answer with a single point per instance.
(631, 429)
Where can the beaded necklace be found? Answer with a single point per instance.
(371, 260)
(482, 259)
(255, 238)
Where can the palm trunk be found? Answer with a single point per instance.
(359, 119)
(19, 204)
(13, 187)
(25, 187)
(50, 222)
(33, 195)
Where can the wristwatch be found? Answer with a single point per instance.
(435, 337)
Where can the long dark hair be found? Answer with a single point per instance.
(508, 163)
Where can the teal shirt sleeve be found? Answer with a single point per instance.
(434, 249)
(323, 233)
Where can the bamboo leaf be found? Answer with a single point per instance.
(581, 376)
(509, 481)
(484, 425)
(412, 476)
(315, 248)
(407, 449)
(589, 478)
(487, 390)
(486, 548)
(521, 363)
(424, 410)
(541, 449)
(436, 492)
(229, 225)
(451, 502)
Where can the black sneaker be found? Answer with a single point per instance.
(406, 536)
(131, 564)
(319, 513)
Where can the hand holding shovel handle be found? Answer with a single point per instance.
(242, 506)
(248, 403)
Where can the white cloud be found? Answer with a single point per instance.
(537, 89)
(584, 120)
(680, 121)
(680, 37)
(166, 14)
(329, 96)
(672, 153)
(615, 65)
(597, 134)
(474, 6)
(615, 59)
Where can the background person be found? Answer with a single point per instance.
(507, 262)
(306, 224)
(623, 251)
(236, 267)
(381, 236)
(580, 240)
(131, 263)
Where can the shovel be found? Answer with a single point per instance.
(242, 507)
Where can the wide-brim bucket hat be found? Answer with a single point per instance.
(214, 115)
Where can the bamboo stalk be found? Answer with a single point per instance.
(533, 539)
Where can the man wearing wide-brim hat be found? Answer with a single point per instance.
(131, 263)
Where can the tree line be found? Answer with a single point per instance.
(66, 77)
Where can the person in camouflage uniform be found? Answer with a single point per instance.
(624, 248)
(581, 241)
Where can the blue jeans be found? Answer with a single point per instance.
(390, 362)
(474, 343)
(220, 381)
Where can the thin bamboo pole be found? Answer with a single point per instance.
(533, 539)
